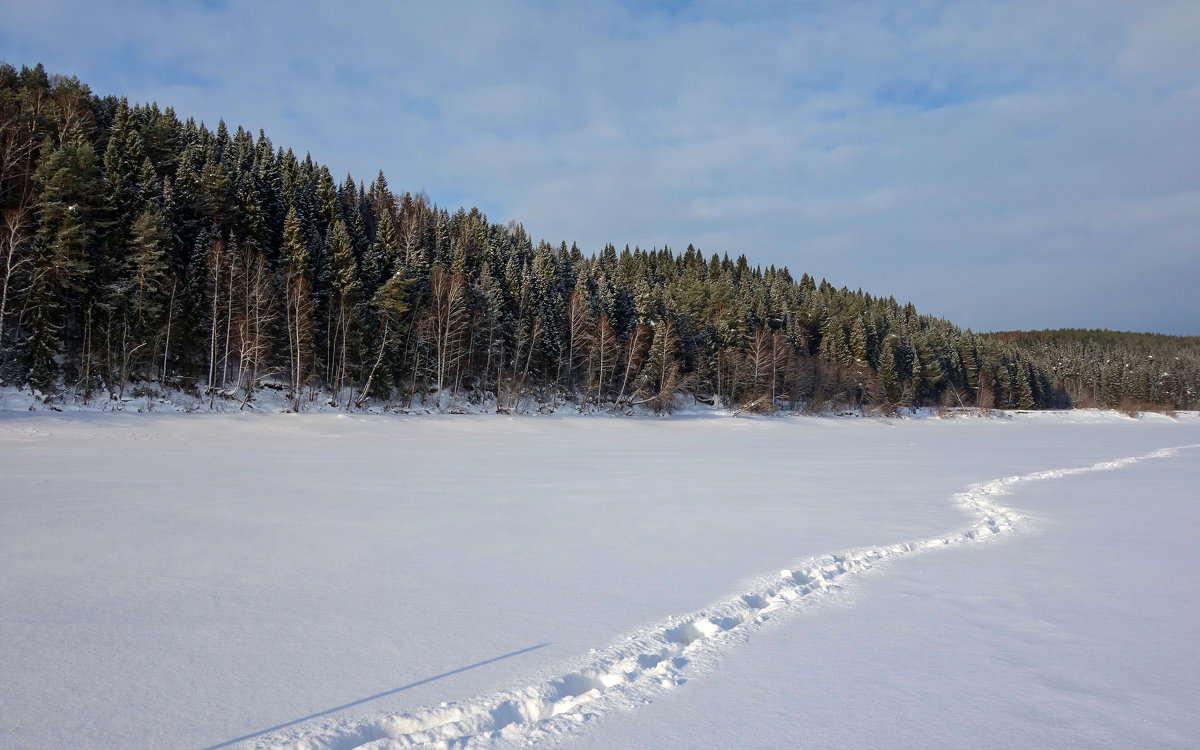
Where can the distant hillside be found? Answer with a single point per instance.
(142, 252)
(1114, 368)
(1147, 343)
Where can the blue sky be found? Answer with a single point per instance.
(1005, 165)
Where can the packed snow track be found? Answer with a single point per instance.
(660, 657)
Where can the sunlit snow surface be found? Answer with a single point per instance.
(326, 581)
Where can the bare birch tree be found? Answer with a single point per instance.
(606, 352)
(445, 323)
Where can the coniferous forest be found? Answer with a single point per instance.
(140, 252)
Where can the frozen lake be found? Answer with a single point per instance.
(209, 581)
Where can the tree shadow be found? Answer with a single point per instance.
(370, 698)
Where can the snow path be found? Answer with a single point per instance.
(659, 657)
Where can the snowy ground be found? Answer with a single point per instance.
(254, 581)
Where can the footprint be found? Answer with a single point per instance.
(662, 657)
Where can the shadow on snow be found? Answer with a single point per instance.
(370, 698)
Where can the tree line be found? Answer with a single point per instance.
(141, 252)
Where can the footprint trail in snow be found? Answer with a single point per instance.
(659, 657)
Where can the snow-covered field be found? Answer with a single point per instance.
(326, 581)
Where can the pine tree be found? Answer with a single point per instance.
(495, 323)
(183, 241)
(834, 345)
(150, 286)
(858, 342)
(970, 366)
(298, 304)
(70, 180)
(1004, 387)
(391, 303)
(926, 372)
(385, 252)
(887, 372)
(1024, 389)
(344, 285)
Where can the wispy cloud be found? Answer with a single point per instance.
(1017, 164)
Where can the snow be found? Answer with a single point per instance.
(1079, 631)
(324, 580)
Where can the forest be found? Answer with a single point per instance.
(142, 253)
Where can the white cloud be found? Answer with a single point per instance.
(943, 152)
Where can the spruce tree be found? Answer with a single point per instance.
(344, 284)
(297, 303)
(88, 252)
(390, 303)
(1024, 389)
(149, 270)
(887, 372)
(70, 180)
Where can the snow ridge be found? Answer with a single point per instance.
(633, 671)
